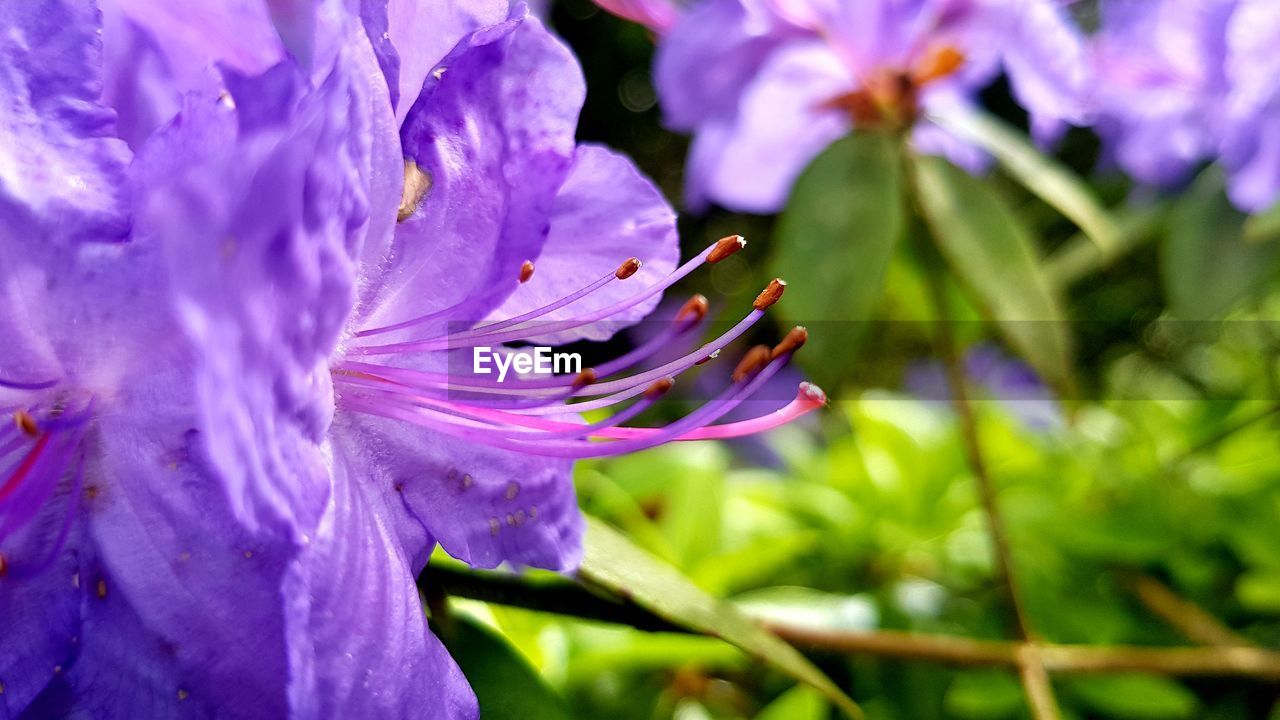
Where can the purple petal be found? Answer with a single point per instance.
(495, 134)
(1043, 53)
(605, 212)
(1252, 157)
(657, 15)
(359, 643)
(424, 32)
(484, 506)
(61, 171)
(705, 63)
(780, 127)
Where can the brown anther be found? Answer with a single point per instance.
(4, 565)
(659, 388)
(770, 295)
(751, 363)
(696, 307)
(628, 268)
(708, 358)
(526, 271)
(940, 62)
(794, 340)
(102, 589)
(417, 183)
(26, 423)
(584, 378)
(725, 247)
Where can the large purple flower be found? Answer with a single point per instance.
(243, 243)
(1188, 81)
(765, 85)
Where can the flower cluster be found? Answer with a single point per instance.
(765, 85)
(242, 242)
(1182, 82)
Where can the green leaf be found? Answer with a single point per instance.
(1136, 696)
(1042, 175)
(1263, 227)
(835, 239)
(992, 252)
(986, 695)
(798, 703)
(504, 683)
(1206, 262)
(611, 561)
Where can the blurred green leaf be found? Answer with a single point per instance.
(1260, 591)
(991, 250)
(1206, 262)
(1263, 227)
(798, 703)
(1042, 175)
(613, 562)
(1136, 696)
(504, 683)
(988, 695)
(835, 240)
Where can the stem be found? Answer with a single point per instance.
(1185, 616)
(1080, 257)
(562, 596)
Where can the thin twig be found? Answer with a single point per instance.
(559, 595)
(1188, 618)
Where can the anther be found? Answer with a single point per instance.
(183, 694)
(697, 307)
(4, 565)
(794, 340)
(659, 388)
(102, 589)
(417, 183)
(938, 63)
(770, 295)
(526, 271)
(751, 363)
(628, 268)
(26, 423)
(584, 378)
(725, 247)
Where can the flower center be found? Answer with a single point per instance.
(890, 98)
(378, 378)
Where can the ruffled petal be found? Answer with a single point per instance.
(494, 133)
(424, 32)
(605, 212)
(781, 126)
(705, 63)
(1044, 55)
(61, 171)
(359, 646)
(484, 506)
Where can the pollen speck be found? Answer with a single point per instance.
(494, 526)
(533, 512)
(511, 520)
(467, 481)
(513, 489)
(75, 580)
(183, 694)
(26, 423)
(102, 589)
(248, 554)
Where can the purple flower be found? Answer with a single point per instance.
(765, 85)
(994, 376)
(243, 243)
(1187, 81)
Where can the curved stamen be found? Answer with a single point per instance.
(18, 385)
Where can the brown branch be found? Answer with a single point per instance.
(1186, 617)
(1065, 659)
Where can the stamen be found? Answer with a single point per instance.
(628, 268)
(771, 294)
(26, 423)
(939, 62)
(417, 183)
(751, 363)
(24, 466)
(697, 308)
(725, 247)
(794, 340)
(526, 271)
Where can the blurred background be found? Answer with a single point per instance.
(1138, 492)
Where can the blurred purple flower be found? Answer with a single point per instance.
(1187, 81)
(765, 85)
(993, 376)
(241, 243)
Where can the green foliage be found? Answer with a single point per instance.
(505, 685)
(991, 250)
(835, 240)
